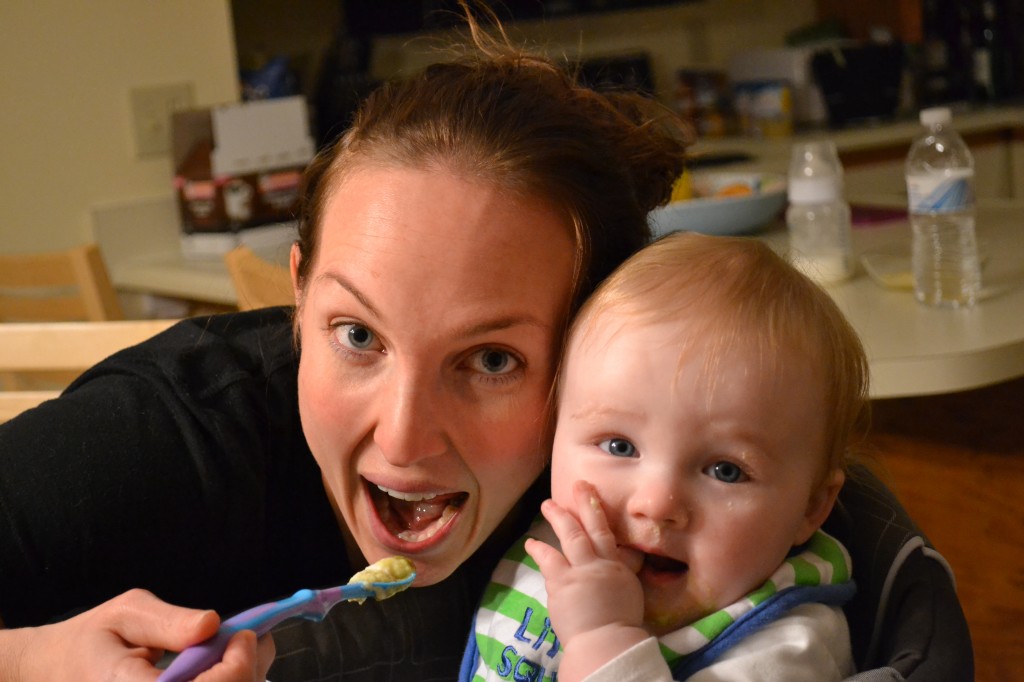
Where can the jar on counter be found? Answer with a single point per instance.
(764, 108)
(699, 97)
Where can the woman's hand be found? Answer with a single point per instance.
(595, 599)
(121, 640)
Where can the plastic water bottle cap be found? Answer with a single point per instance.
(820, 190)
(936, 116)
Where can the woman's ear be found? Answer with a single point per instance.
(820, 505)
(294, 259)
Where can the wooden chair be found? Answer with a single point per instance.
(57, 285)
(258, 282)
(66, 348)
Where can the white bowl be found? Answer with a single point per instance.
(723, 215)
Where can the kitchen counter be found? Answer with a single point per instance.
(769, 152)
(873, 153)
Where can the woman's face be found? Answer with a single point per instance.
(430, 324)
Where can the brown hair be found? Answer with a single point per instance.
(737, 289)
(506, 116)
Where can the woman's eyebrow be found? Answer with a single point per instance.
(501, 323)
(350, 288)
(476, 329)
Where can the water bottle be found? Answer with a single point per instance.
(818, 218)
(940, 189)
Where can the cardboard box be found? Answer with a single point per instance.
(791, 65)
(238, 167)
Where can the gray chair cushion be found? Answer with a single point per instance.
(906, 618)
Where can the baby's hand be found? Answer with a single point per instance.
(594, 595)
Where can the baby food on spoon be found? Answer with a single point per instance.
(392, 569)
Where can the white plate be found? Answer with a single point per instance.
(724, 215)
(892, 270)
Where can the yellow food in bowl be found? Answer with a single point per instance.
(685, 188)
(724, 202)
(736, 189)
(682, 190)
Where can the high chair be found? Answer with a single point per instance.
(72, 284)
(906, 622)
(60, 349)
(258, 282)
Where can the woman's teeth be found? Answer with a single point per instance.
(408, 497)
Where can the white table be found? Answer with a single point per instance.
(918, 350)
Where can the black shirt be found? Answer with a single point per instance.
(179, 466)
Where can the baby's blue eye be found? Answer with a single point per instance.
(727, 472)
(619, 447)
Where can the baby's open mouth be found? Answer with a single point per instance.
(414, 517)
(662, 565)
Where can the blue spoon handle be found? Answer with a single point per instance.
(311, 604)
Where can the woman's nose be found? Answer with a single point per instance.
(659, 497)
(410, 427)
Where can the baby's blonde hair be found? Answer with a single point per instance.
(735, 289)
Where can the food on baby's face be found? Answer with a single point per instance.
(388, 570)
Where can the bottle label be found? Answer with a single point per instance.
(948, 192)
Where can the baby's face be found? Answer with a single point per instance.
(712, 475)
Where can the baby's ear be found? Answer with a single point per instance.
(820, 505)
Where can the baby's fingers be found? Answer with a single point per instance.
(576, 545)
(549, 560)
(594, 521)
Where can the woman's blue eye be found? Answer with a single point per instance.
(619, 447)
(356, 336)
(727, 472)
(494, 361)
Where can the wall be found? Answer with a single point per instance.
(699, 34)
(67, 145)
(66, 140)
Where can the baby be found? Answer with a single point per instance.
(706, 406)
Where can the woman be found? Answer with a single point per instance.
(445, 242)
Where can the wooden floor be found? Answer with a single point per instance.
(957, 463)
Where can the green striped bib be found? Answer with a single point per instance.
(514, 635)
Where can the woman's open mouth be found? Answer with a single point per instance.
(414, 517)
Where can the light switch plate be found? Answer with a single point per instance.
(152, 107)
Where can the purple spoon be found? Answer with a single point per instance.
(373, 582)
